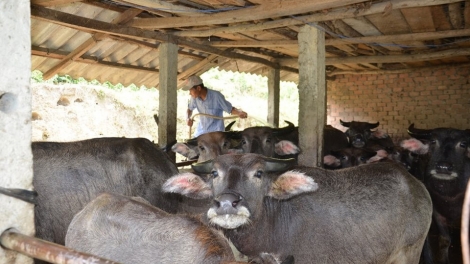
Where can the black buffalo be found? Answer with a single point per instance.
(68, 175)
(446, 174)
(367, 214)
(360, 135)
(350, 157)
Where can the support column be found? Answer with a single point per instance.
(167, 95)
(16, 160)
(274, 80)
(312, 95)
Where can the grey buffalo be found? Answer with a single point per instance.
(68, 175)
(377, 213)
(209, 145)
(446, 174)
(130, 230)
(283, 142)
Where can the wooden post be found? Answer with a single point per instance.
(274, 79)
(312, 95)
(167, 95)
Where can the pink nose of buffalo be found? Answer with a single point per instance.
(226, 203)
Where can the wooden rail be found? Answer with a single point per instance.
(47, 251)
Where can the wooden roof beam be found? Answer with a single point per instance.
(95, 26)
(38, 51)
(276, 8)
(390, 58)
(53, 2)
(335, 14)
(347, 41)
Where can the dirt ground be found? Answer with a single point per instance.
(71, 112)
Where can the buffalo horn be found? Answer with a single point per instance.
(277, 165)
(345, 124)
(418, 133)
(22, 194)
(229, 126)
(192, 141)
(203, 167)
(284, 130)
(372, 125)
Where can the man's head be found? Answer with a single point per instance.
(195, 87)
(192, 82)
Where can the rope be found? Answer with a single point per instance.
(211, 116)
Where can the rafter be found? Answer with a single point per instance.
(390, 58)
(276, 8)
(125, 17)
(346, 41)
(95, 26)
(335, 14)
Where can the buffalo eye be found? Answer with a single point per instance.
(363, 158)
(225, 144)
(433, 142)
(268, 140)
(344, 157)
(258, 174)
(214, 174)
(243, 142)
(202, 148)
(463, 144)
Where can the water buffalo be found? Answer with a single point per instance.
(209, 145)
(350, 157)
(446, 174)
(366, 214)
(360, 135)
(130, 230)
(70, 174)
(283, 142)
(269, 141)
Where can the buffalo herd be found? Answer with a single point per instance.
(374, 201)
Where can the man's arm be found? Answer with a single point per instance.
(189, 121)
(238, 112)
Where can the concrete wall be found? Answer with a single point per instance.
(429, 98)
(15, 120)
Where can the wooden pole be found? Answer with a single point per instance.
(47, 251)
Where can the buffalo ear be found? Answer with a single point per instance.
(290, 184)
(278, 165)
(203, 167)
(189, 185)
(185, 150)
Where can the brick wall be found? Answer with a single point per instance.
(428, 98)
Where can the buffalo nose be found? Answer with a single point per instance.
(444, 167)
(227, 201)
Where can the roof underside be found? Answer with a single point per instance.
(118, 40)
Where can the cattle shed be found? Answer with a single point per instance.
(395, 62)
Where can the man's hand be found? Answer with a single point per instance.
(189, 122)
(242, 114)
(239, 113)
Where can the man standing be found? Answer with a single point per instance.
(207, 101)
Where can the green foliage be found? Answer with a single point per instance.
(246, 91)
